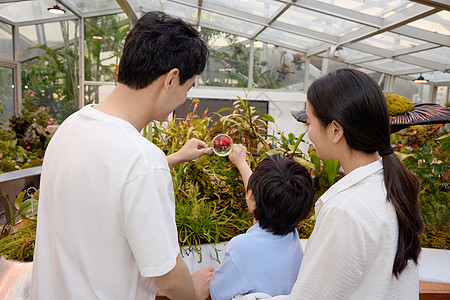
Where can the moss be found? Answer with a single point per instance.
(398, 105)
(19, 245)
(219, 181)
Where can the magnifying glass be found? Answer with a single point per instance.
(221, 144)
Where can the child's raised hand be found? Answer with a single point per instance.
(238, 154)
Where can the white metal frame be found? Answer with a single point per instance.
(17, 81)
(370, 26)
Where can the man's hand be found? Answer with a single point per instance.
(191, 150)
(201, 280)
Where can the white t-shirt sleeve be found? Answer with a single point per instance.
(335, 258)
(149, 222)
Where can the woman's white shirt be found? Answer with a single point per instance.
(351, 251)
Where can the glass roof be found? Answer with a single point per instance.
(395, 37)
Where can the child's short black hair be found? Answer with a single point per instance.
(284, 194)
(157, 44)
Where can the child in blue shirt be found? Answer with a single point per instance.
(267, 257)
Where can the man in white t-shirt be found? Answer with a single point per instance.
(106, 226)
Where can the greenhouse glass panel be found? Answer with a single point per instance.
(6, 93)
(353, 55)
(287, 40)
(441, 55)
(104, 39)
(30, 10)
(28, 40)
(49, 74)
(89, 6)
(184, 12)
(6, 42)
(91, 94)
(406, 88)
(439, 23)
(261, 8)
(278, 68)
(53, 34)
(391, 41)
(389, 65)
(221, 22)
(370, 7)
(228, 61)
(316, 21)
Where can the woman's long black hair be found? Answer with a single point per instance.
(355, 101)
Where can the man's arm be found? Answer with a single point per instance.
(179, 284)
(191, 150)
(238, 156)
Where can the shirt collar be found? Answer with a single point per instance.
(348, 180)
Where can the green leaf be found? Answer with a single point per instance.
(267, 117)
(304, 162)
(224, 109)
(19, 200)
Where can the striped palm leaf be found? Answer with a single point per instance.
(423, 113)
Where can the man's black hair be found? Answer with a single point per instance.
(157, 44)
(283, 192)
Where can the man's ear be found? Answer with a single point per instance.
(335, 132)
(172, 78)
(250, 195)
(250, 199)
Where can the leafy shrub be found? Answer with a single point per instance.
(17, 239)
(431, 173)
(425, 151)
(23, 143)
(436, 237)
(20, 245)
(200, 221)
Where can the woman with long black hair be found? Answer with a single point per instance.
(365, 242)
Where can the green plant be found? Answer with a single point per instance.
(219, 181)
(200, 221)
(289, 146)
(20, 245)
(208, 190)
(325, 172)
(246, 124)
(23, 144)
(431, 173)
(52, 75)
(415, 137)
(26, 210)
(172, 135)
(306, 227)
(15, 157)
(17, 239)
(436, 237)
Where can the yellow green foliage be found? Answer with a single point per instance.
(398, 105)
(19, 245)
(436, 237)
